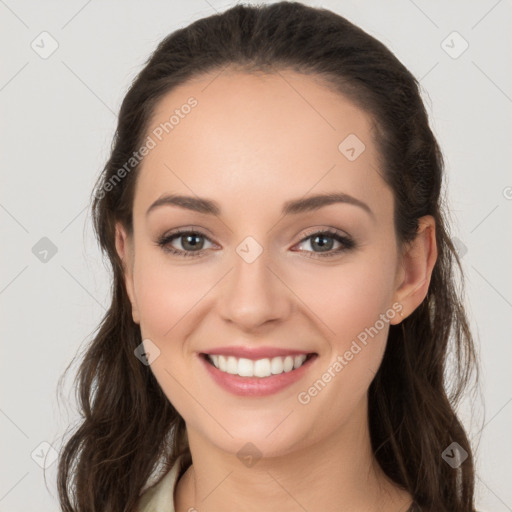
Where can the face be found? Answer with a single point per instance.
(263, 276)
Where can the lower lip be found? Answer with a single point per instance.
(256, 386)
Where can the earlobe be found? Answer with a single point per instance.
(124, 248)
(416, 269)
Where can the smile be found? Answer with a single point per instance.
(256, 377)
(257, 368)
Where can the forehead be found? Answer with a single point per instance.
(279, 134)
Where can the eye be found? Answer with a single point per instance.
(191, 241)
(324, 241)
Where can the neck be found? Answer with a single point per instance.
(338, 473)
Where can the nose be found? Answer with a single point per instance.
(254, 294)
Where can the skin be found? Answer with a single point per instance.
(252, 143)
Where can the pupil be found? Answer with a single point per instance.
(189, 240)
(324, 246)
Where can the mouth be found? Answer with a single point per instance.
(257, 377)
(260, 368)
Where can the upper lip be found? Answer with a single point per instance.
(256, 353)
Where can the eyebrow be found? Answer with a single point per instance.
(295, 206)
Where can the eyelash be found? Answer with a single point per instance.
(347, 243)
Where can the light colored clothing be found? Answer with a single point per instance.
(159, 497)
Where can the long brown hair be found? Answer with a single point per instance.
(129, 428)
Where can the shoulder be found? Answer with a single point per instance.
(160, 496)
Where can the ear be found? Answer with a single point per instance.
(124, 248)
(416, 265)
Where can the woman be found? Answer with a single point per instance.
(284, 294)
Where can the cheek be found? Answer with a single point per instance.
(355, 307)
(350, 297)
(166, 293)
(352, 301)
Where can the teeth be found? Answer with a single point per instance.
(259, 368)
(262, 368)
(232, 365)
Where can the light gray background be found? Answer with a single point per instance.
(57, 122)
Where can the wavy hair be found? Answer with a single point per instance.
(128, 428)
